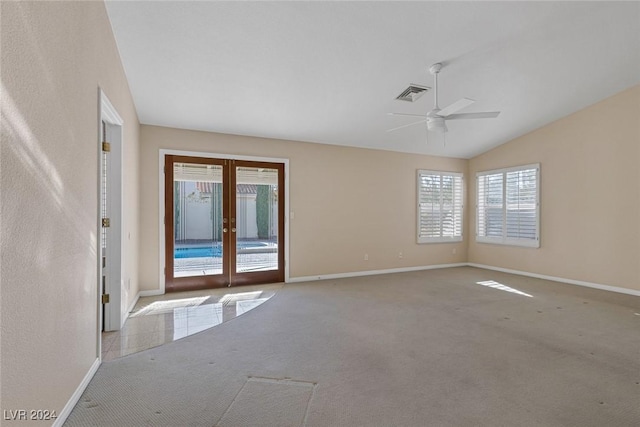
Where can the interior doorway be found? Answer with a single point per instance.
(224, 222)
(110, 240)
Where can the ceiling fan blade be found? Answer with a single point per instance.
(458, 105)
(487, 115)
(408, 115)
(406, 126)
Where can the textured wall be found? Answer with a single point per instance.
(55, 55)
(347, 202)
(590, 195)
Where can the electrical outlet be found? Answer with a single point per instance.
(366, 257)
(399, 254)
(454, 251)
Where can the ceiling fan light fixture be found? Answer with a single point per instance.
(436, 118)
(436, 124)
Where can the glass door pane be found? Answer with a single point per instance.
(197, 219)
(224, 222)
(256, 219)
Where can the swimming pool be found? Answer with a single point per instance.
(199, 252)
(214, 251)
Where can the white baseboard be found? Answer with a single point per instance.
(371, 272)
(152, 293)
(465, 264)
(133, 304)
(559, 279)
(433, 267)
(66, 411)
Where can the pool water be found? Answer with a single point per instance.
(206, 252)
(214, 251)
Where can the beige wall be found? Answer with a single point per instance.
(590, 195)
(346, 201)
(55, 55)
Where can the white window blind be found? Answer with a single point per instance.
(508, 208)
(439, 206)
(196, 172)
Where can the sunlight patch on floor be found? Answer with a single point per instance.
(495, 285)
(241, 296)
(161, 319)
(161, 307)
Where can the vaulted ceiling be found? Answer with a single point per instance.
(329, 72)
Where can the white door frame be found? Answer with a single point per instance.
(113, 315)
(161, 228)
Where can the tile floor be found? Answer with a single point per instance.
(161, 319)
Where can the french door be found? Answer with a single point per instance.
(224, 222)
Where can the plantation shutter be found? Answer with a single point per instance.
(439, 206)
(508, 206)
(521, 218)
(490, 212)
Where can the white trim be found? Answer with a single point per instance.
(75, 397)
(559, 279)
(429, 240)
(150, 293)
(161, 237)
(523, 243)
(108, 112)
(372, 272)
(207, 155)
(509, 169)
(132, 306)
(135, 300)
(161, 242)
(466, 264)
(114, 317)
(287, 196)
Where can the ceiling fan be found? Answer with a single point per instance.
(436, 118)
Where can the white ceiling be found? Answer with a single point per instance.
(328, 72)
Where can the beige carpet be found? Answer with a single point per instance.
(429, 348)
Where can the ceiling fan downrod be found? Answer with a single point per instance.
(434, 70)
(434, 121)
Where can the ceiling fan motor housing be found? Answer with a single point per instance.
(436, 122)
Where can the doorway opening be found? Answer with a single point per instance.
(110, 265)
(224, 222)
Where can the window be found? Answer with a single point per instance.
(439, 207)
(508, 206)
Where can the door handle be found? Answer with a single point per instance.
(224, 230)
(233, 230)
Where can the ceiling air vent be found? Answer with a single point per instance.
(412, 93)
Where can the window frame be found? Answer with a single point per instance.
(504, 240)
(439, 239)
